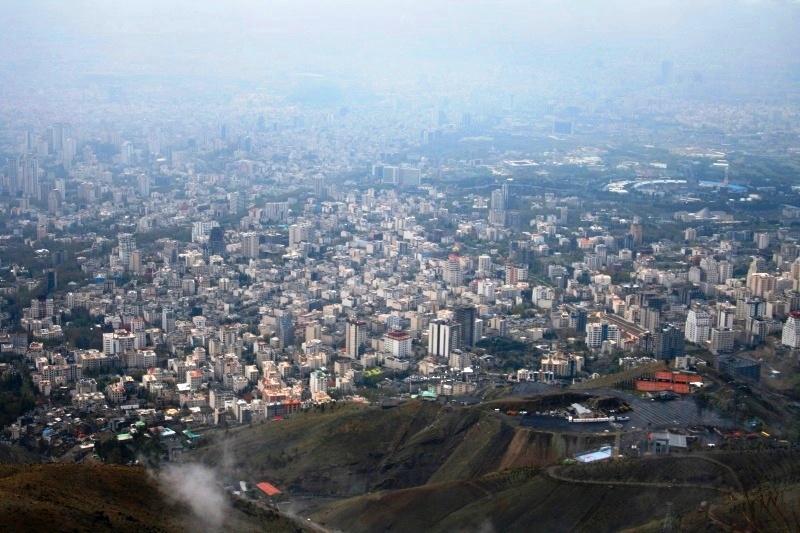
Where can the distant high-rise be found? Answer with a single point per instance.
(136, 261)
(60, 133)
(143, 181)
(668, 342)
(791, 331)
(319, 187)
(515, 274)
(597, 332)
(453, 275)
(127, 245)
(409, 177)
(398, 343)
(698, 326)
(391, 175)
(201, 229)
(726, 317)
(297, 234)
(484, 264)
(12, 173)
(168, 320)
(649, 318)
(250, 245)
(52, 281)
(216, 241)
(29, 176)
(636, 232)
(355, 337)
(762, 240)
(237, 202)
(443, 336)
(498, 200)
(722, 340)
(69, 152)
(53, 201)
(275, 211)
(126, 153)
(578, 319)
(286, 330)
(465, 317)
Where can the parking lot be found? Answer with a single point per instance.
(646, 415)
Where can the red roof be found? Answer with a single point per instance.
(268, 489)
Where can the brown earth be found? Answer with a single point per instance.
(427, 467)
(67, 497)
(705, 492)
(354, 450)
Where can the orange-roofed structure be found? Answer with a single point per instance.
(268, 488)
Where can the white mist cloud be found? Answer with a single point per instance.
(196, 486)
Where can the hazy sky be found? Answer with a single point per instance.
(205, 36)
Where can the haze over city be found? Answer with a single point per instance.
(421, 266)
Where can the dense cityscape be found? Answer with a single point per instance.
(614, 261)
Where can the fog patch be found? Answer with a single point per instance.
(195, 486)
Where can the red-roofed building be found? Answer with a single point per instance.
(269, 489)
(398, 343)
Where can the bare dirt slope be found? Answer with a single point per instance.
(67, 497)
(354, 450)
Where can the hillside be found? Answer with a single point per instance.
(428, 467)
(67, 497)
(15, 455)
(626, 495)
(355, 449)
(494, 504)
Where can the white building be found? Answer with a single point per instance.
(398, 343)
(698, 326)
(201, 229)
(355, 337)
(791, 331)
(459, 360)
(127, 245)
(543, 296)
(318, 382)
(442, 337)
(250, 244)
(194, 378)
(452, 274)
(722, 340)
(597, 332)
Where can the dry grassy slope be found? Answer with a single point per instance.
(354, 450)
(535, 504)
(13, 455)
(344, 451)
(71, 497)
(537, 448)
(67, 497)
(520, 500)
